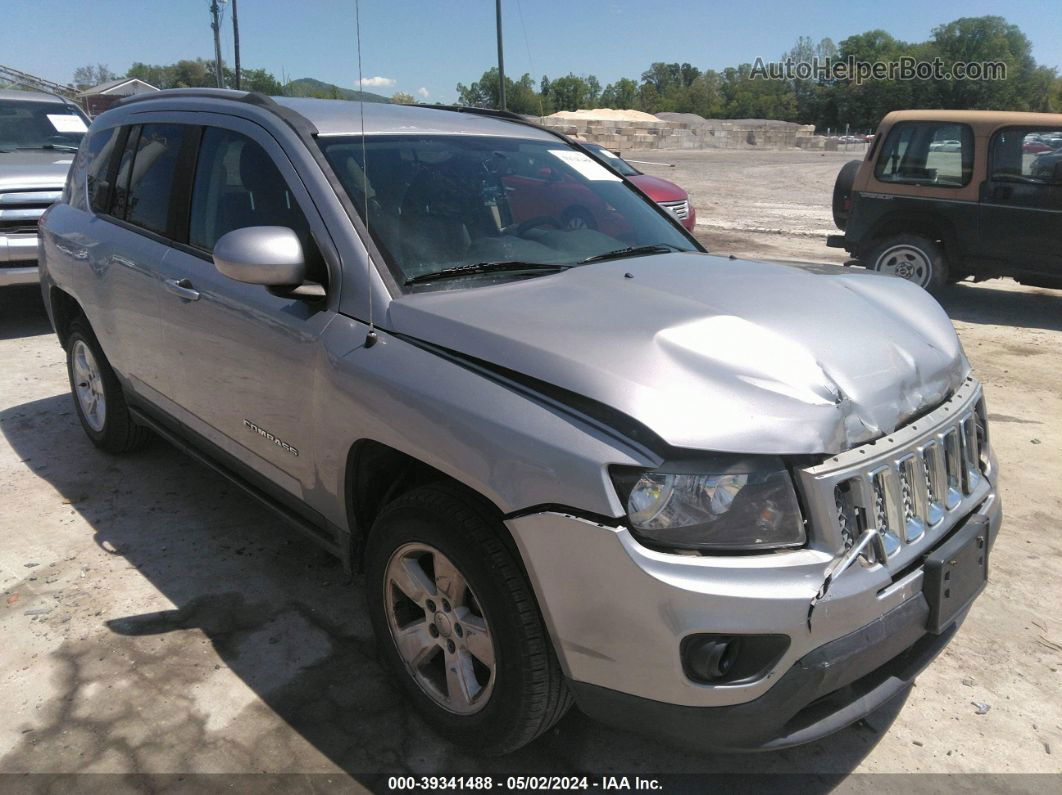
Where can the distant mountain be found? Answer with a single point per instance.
(309, 87)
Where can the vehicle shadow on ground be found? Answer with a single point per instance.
(22, 312)
(281, 616)
(1031, 307)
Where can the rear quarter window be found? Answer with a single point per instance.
(154, 165)
(89, 187)
(933, 154)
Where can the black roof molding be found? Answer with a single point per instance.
(293, 118)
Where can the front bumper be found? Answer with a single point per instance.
(823, 692)
(617, 613)
(18, 259)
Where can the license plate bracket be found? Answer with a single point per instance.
(955, 573)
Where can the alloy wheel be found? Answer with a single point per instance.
(439, 628)
(88, 385)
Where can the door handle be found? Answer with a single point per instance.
(182, 288)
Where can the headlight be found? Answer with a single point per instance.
(744, 504)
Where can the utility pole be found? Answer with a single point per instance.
(236, 43)
(214, 11)
(501, 58)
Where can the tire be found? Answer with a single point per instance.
(98, 397)
(842, 192)
(911, 257)
(578, 218)
(447, 535)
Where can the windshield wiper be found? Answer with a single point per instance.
(484, 267)
(633, 251)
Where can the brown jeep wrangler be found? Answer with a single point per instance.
(943, 195)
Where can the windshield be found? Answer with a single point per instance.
(27, 124)
(614, 160)
(457, 203)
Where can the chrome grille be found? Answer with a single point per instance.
(681, 208)
(19, 210)
(914, 489)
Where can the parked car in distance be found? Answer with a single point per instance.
(39, 134)
(945, 195)
(663, 191)
(1035, 147)
(1044, 166)
(727, 503)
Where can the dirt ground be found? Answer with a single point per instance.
(154, 620)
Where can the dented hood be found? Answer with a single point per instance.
(712, 353)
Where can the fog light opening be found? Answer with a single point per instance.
(712, 659)
(730, 659)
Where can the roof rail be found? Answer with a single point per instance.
(215, 93)
(500, 114)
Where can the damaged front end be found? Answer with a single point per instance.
(881, 507)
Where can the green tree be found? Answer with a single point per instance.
(622, 94)
(402, 98)
(985, 39)
(520, 95)
(572, 92)
(92, 75)
(261, 81)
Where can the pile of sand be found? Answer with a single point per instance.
(694, 119)
(604, 114)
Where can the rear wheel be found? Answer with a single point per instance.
(456, 622)
(98, 396)
(911, 257)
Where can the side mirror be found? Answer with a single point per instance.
(268, 255)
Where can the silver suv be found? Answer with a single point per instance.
(39, 134)
(725, 502)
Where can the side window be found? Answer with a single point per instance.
(927, 153)
(89, 187)
(238, 185)
(1031, 155)
(154, 154)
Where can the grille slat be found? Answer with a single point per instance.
(680, 208)
(912, 492)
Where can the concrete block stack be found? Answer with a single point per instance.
(680, 131)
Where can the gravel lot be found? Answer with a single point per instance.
(156, 621)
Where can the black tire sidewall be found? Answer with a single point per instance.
(408, 524)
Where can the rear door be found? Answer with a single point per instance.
(241, 361)
(126, 187)
(1021, 201)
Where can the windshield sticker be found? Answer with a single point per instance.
(67, 123)
(585, 165)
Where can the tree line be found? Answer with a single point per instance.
(822, 100)
(199, 73)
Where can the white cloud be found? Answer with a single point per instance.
(423, 93)
(378, 82)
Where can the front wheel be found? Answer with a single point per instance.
(911, 257)
(457, 624)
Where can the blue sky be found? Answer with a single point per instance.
(428, 47)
